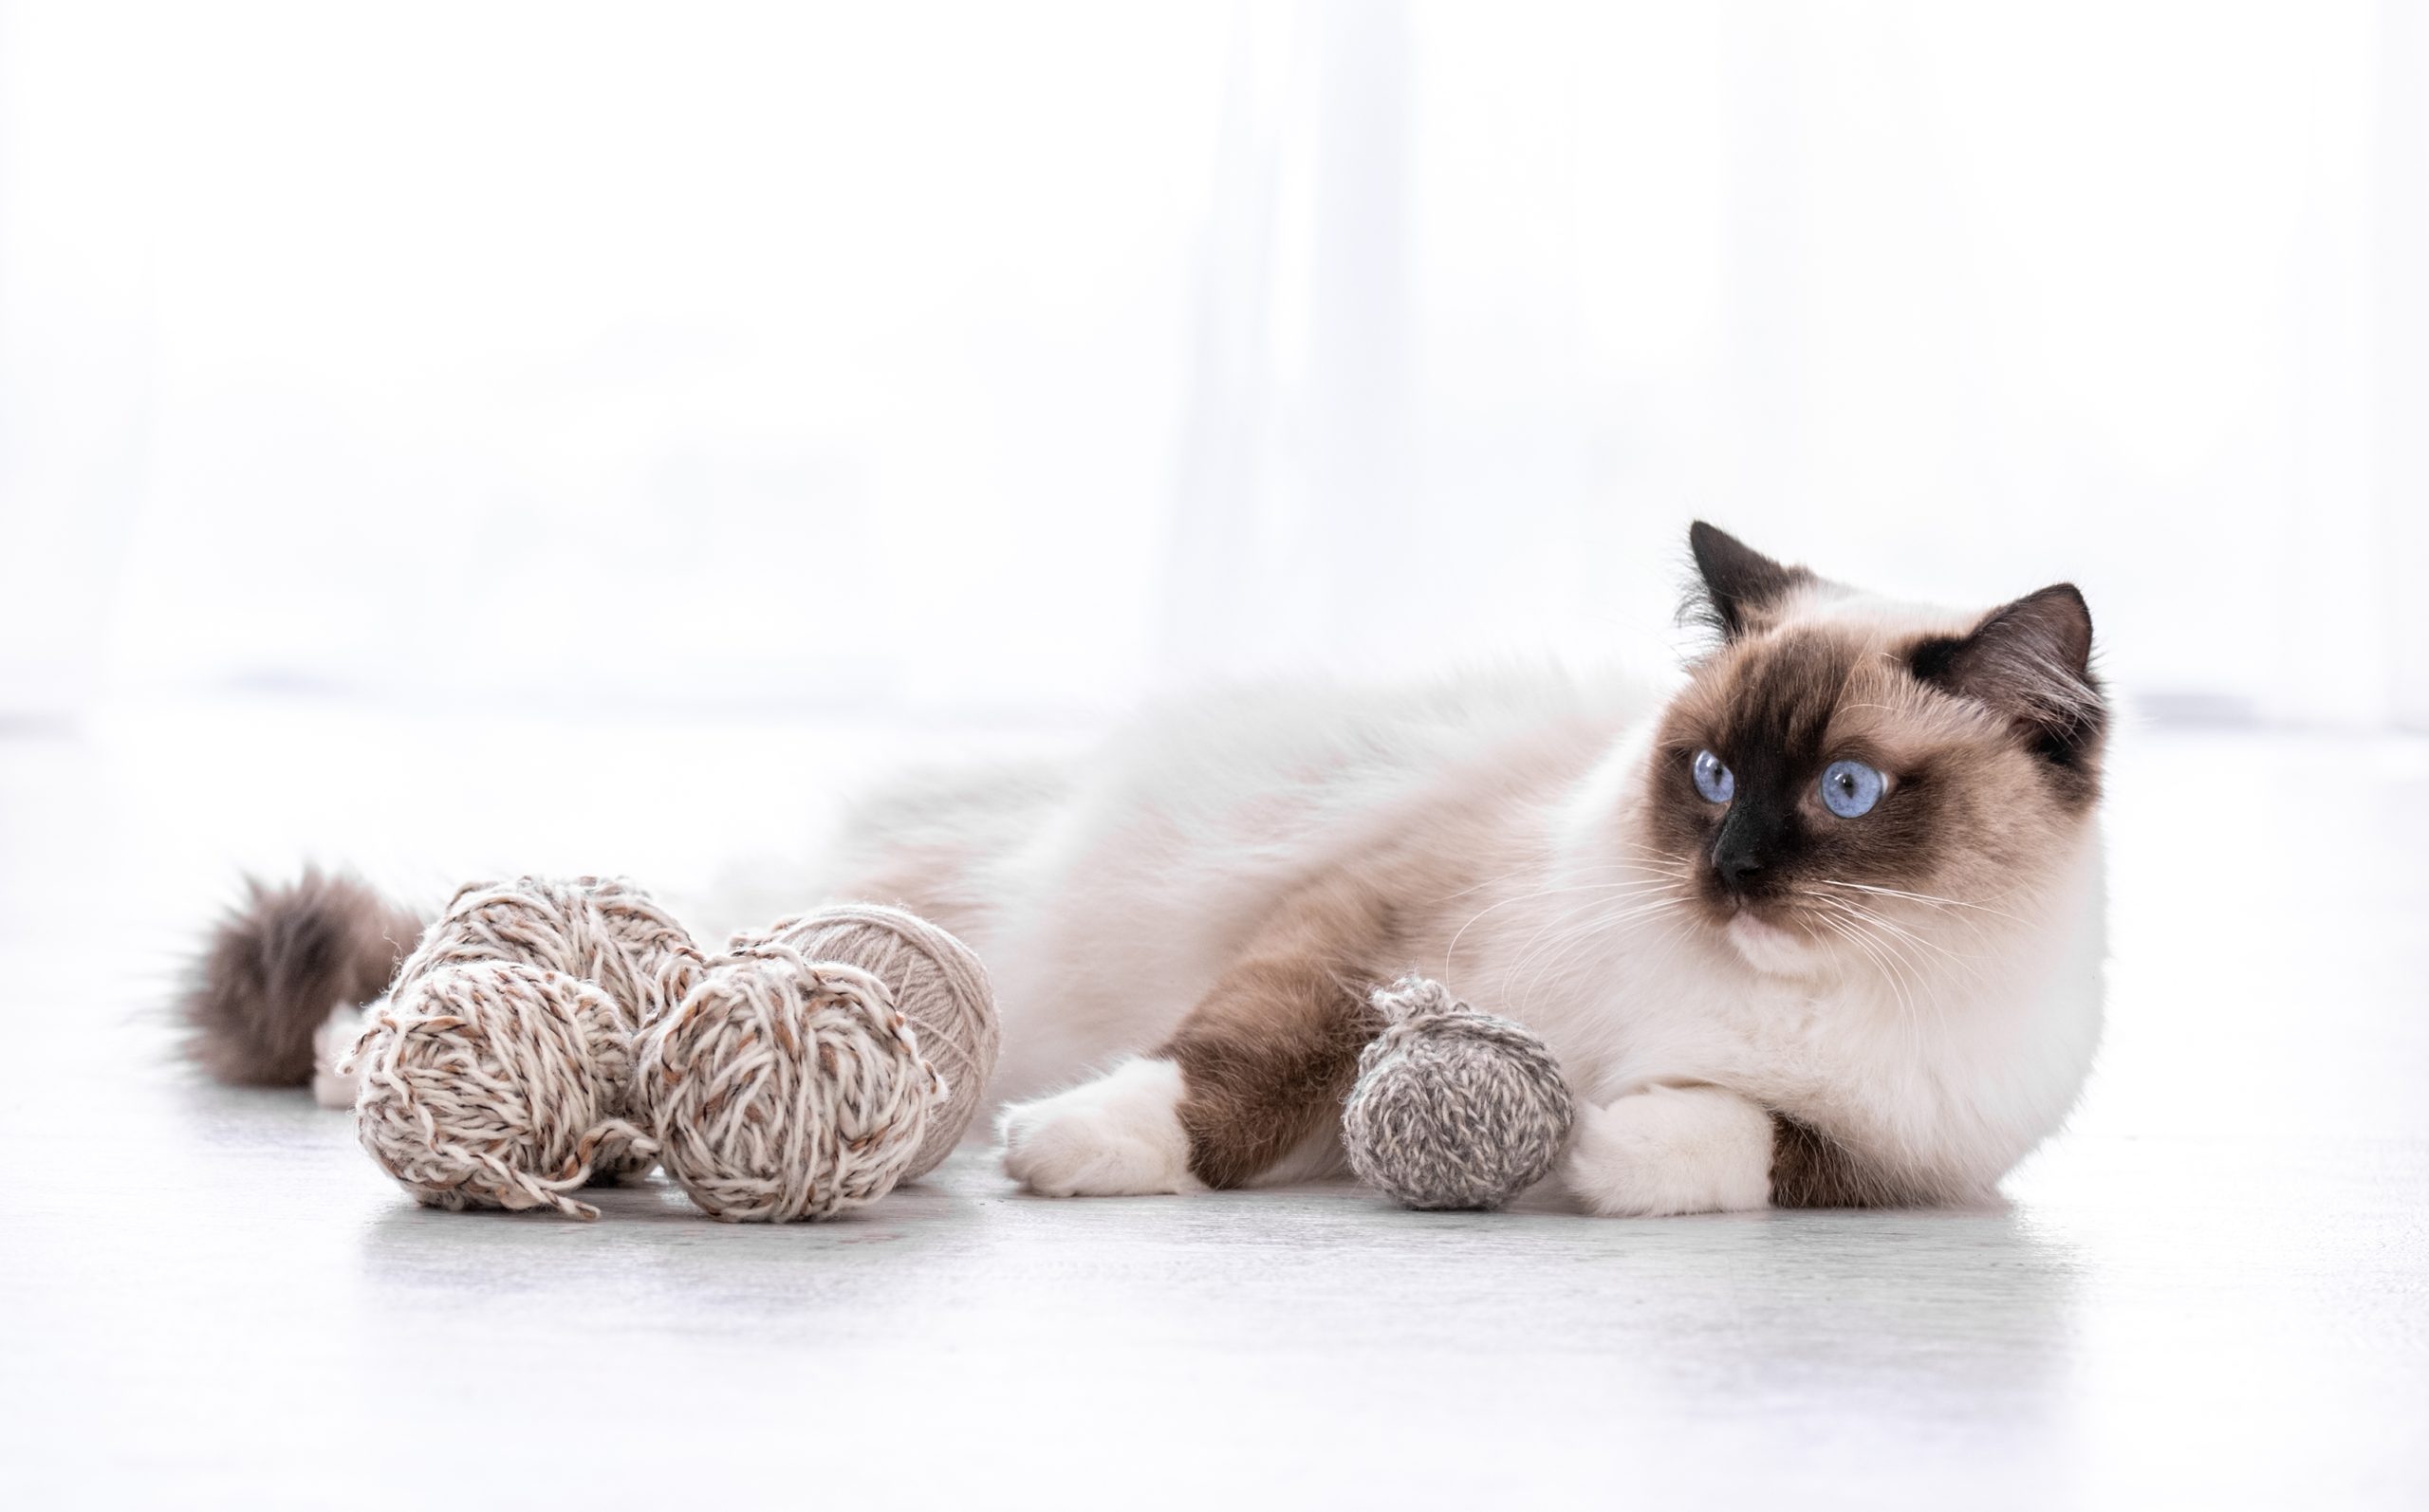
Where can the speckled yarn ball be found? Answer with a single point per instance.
(604, 930)
(785, 1087)
(497, 1084)
(601, 930)
(1452, 1108)
(938, 985)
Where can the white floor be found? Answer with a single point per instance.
(2214, 1291)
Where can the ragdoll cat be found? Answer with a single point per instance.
(1823, 926)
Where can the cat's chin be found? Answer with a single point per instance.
(1769, 949)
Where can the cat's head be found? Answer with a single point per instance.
(1842, 766)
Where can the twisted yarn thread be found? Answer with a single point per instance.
(603, 934)
(935, 981)
(548, 1032)
(1454, 1108)
(495, 1085)
(604, 930)
(786, 1087)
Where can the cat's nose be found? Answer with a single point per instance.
(1738, 851)
(1736, 869)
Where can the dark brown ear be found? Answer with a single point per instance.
(2030, 660)
(1738, 582)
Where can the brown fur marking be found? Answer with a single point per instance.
(1272, 1051)
(278, 962)
(1779, 709)
(1737, 587)
(2030, 660)
(1811, 1170)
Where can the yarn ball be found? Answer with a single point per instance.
(604, 930)
(786, 1087)
(937, 983)
(1454, 1108)
(601, 930)
(497, 1084)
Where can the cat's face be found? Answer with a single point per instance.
(1842, 775)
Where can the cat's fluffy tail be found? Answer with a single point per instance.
(272, 970)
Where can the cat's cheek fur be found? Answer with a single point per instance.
(1670, 1150)
(1118, 1135)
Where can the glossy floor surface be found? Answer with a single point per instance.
(2214, 1291)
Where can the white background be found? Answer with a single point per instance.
(1010, 361)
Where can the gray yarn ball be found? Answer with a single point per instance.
(1452, 1108)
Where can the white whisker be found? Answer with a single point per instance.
(1919, 898)
(1568, 946)
(1452, 949)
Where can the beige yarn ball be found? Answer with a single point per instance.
(601, 930)
(604, 930)
(786, 1088)
(497, 1084)
(936, 982)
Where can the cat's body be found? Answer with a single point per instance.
(1214, 892)
(1109, 895)
(1822, 924)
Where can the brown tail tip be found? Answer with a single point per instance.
(277, 962)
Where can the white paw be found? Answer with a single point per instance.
(332, 1084)
(1672, 1149)
(1116, 1136)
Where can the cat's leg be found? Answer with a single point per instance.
(1702, 1149)
(1672, 1149)
(1258, 1066)
(1809, 1169)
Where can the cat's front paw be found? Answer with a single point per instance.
(1670, 1150)
(1116, 1136)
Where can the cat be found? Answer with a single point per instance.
(1820, 925)
(1824, 925)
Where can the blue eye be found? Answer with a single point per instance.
(1849, 788)
(1712, 780)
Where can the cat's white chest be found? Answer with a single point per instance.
(1773, 1040)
